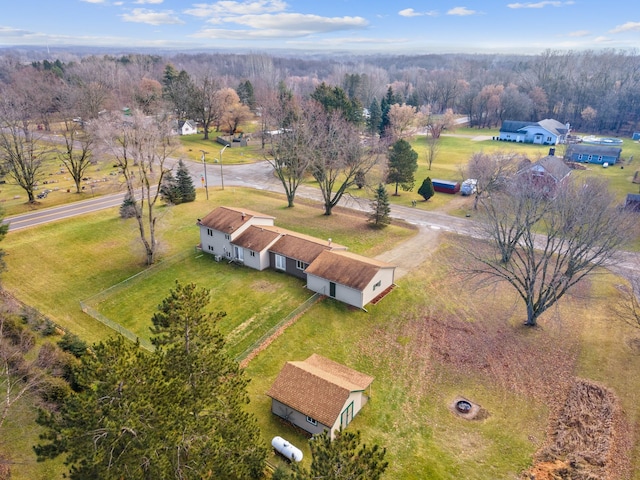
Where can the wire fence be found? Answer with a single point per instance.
(88, 305)
(273, 332)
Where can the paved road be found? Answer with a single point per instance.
(260, 176)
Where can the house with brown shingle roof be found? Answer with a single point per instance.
(348, 277)
(319, 394)
(223, 225)
(251, 239)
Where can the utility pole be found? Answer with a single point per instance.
(221, 175)
(204, 165)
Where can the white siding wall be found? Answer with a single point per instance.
(385, 276)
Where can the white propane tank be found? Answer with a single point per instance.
(285, 449)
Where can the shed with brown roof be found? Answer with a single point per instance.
(318, 394)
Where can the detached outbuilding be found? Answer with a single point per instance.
(319, 394)
(597, 154)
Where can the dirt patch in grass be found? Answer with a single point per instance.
(589, 440)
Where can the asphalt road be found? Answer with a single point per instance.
(260, 176)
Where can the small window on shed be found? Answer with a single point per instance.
(378, 284)
(301, 265)
(312, 421)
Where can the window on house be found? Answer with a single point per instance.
(209, 232)
(280, 262)
(579, 156)
(548, 139)
(252, 253)
(301, 265)
(227, 237)
(210, 247)
(228, 254)
(590, 157)
(312, 421)
(600, 158)
(377, 285)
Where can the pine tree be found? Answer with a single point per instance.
(403, 163)
(379, 216)
(185, 183)
(128, 207)
(169, 190)
(343, 458)
(426, 190)
(375, 117)
(177, 412)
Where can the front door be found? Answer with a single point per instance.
(332, 289)
(239, 253)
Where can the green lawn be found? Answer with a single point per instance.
(399, 341)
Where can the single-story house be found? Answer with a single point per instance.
(349, 278)
(185, 127)
(547, 173)
(598, 154)
(318, 394)
(251, 239)
(544, 132)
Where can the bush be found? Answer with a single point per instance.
(54, 390)
(73, 344)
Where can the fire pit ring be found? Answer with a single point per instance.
(463, 406)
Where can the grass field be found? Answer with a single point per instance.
(435, 338)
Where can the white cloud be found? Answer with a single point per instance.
(295, 24)
(143, 15)
(347, 41)
(546, 3)
(602, 39)
(410, 12)
(94, 1)
(461, 11)
(13, 32)
(579, 33)
(148, 1)
(231, 8)
(626, 27)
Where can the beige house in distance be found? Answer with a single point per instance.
(319, 394)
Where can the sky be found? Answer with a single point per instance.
(362, 26)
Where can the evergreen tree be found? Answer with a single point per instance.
(379, 216)
(336, 99)
(175, 413)
(375, 117)
(246, 94)
(403, 163)
(426, 190)
(343, 458)
(178, 189)
(128, 207)
(169, 191)
(185, 183)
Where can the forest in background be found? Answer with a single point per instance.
(594, 91)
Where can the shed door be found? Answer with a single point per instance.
(332, 289)
(347, 415)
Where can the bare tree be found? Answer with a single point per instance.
(204, 102)
(629, 309)
(21, 152)
(140, 146)
(556, 241)
(290, 142)
(401, 121)
(435, 125)
(340, 156)
(18, 377)
(76, 152)
(492, 172)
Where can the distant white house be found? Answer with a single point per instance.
(185, 127)
(544, 132)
